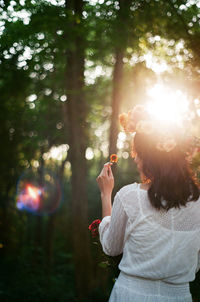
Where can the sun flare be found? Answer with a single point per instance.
(167, 106)
(32, 191)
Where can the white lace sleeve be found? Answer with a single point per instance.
(198, 265)
(112, 229)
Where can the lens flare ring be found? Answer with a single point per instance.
(38, 194)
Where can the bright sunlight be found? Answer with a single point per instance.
(167, 106)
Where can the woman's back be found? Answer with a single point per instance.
(159, 244)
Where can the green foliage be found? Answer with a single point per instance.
(25, 280)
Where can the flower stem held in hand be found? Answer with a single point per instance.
(105, 182)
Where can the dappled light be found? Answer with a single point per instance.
(89, 154)
(56, 152)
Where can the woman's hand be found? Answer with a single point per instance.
(105, 180)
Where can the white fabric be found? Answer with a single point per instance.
(161, 250)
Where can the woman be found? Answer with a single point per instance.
(156, 224)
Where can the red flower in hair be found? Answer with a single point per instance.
(129, 121)
(138, 113)
(123, 118)
(94, 227)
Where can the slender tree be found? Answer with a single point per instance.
(76, 110)
(120, 29)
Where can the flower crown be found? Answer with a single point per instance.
(139, 121)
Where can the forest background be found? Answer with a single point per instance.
(67, 69)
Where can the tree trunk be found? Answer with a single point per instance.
(39, 219)
(116, 100)
(50, 226)
(120, 30)
(5, 221)
(76, 115)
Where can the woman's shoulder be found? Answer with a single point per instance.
(128, 196)
(128, 189)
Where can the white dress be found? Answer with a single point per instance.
(161, 250)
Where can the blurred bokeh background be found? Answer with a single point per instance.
(67, 69)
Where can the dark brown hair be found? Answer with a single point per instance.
(170, 177)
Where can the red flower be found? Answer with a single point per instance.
(129, 121)
(113, 158)
(123, 119)
(94, 227)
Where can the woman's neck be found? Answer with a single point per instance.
(145, 186)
